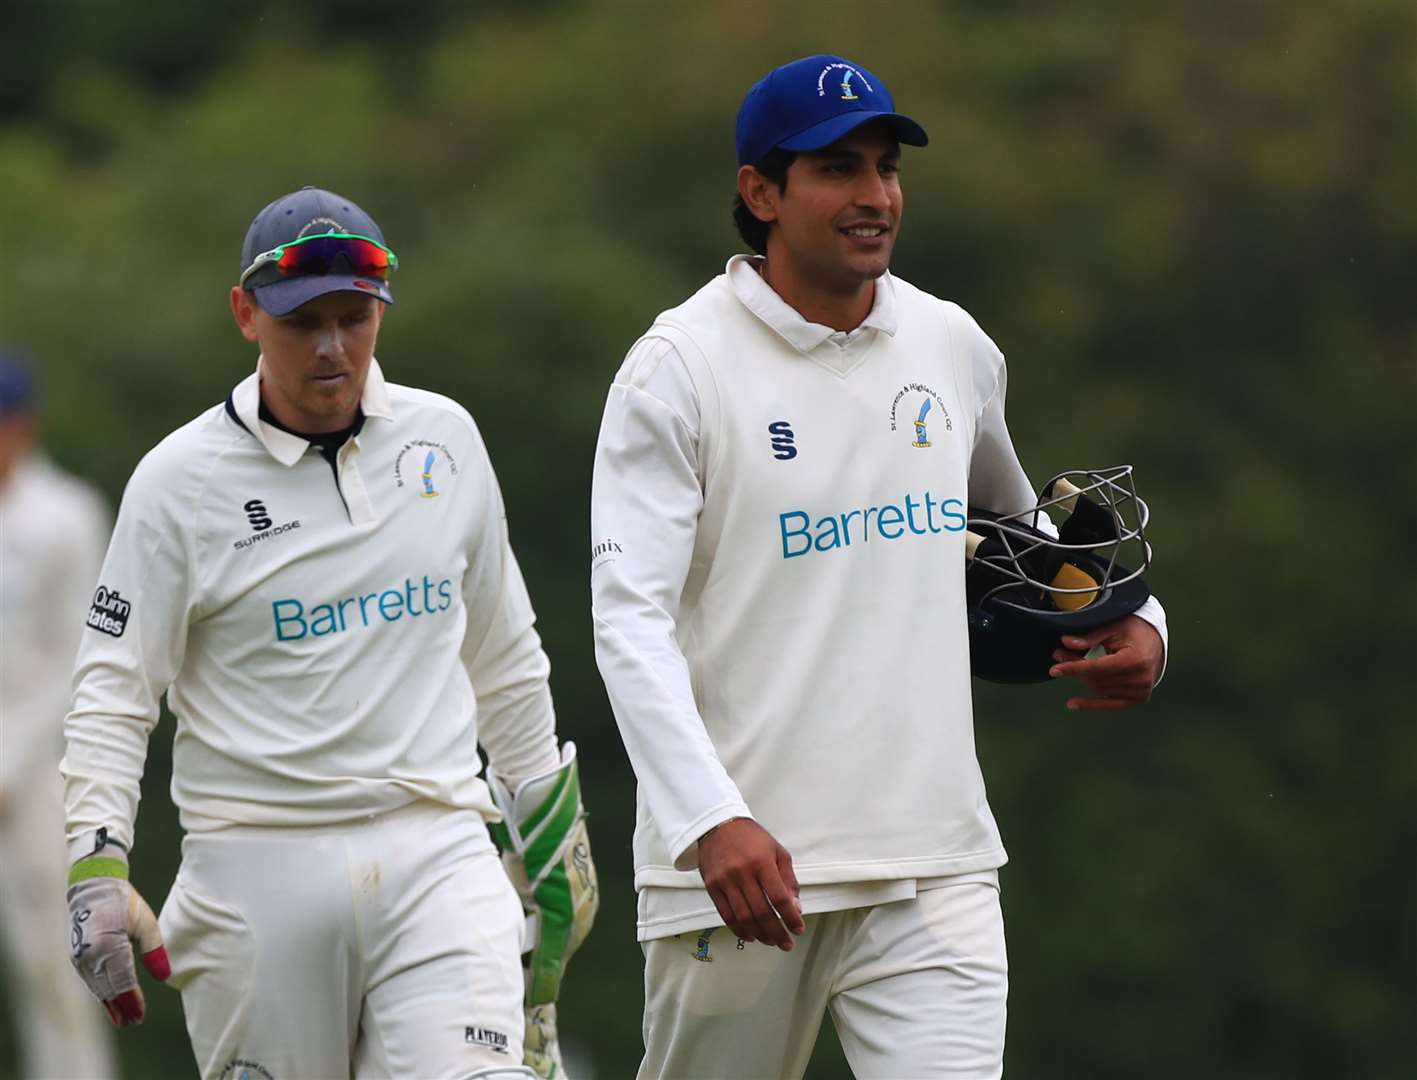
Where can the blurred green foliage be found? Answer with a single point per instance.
(1192, 229)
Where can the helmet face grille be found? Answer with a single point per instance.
(1072, 562)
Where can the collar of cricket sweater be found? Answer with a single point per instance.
(759, 298)
(244, 403)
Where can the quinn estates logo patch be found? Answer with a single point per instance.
(109, 612)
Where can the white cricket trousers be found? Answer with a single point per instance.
(916, 989)
(386, 947)
(62, 1029)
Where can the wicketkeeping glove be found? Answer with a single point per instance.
(107, 918)
(546, 851)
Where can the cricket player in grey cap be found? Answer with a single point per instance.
(317, 573)
(778, 589)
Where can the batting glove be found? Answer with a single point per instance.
(107, 918)
(546, 852)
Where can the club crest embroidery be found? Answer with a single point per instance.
(425, 466)
(429, 491)
(922, 436)
(929, 413)
(848, 89)
(701, 948)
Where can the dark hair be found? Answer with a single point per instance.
(751, 228)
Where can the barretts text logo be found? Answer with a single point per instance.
(804, 534)
(294, 619)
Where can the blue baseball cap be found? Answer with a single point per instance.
(812, 102)
(17, 389)
(303, 213)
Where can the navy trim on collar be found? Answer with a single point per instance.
(231, 412)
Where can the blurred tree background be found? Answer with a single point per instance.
(1191, 227)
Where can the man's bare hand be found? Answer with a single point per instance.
(749, 876)
(1121, 679)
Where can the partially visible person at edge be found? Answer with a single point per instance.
(788, 658)
(317, 572)
(53, 529)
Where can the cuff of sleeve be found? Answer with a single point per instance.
(1152, 612)
(685, 848)
(84, 844)
(545, 759)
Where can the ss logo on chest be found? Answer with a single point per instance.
(784, 444)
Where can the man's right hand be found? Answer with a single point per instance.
(107, 918)
(749, 876)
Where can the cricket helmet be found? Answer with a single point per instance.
(1069, 564)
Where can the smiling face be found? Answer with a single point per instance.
(314, 361)
(836, 218)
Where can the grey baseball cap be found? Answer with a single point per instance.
(307, 212)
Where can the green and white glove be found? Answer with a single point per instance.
(546, 852)
(107, 918)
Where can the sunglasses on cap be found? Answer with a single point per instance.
(326, 253)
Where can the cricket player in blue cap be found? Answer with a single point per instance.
(778, 515)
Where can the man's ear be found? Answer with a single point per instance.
(759, 194)
(243, 310)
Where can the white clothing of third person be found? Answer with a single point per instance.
(53, 528)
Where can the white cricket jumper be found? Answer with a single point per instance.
(334, 639)
(778, 588)
(53, 528)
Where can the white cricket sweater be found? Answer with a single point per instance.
(333, 640)
(778, 587)
(53, 529)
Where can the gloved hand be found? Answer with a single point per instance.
(541, 1050)
(546, 852)
(107, 917)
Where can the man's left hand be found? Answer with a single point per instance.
(1121, 679)
(546, 853)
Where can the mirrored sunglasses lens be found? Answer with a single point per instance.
(332, 254)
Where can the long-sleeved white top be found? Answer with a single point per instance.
(334, 638)
(778, 588)
(53, 529)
